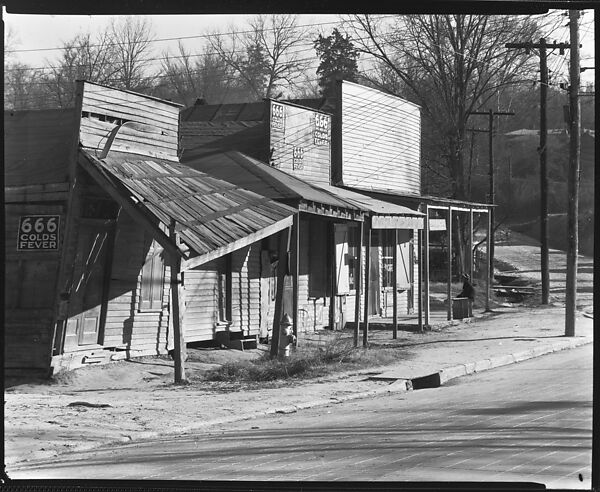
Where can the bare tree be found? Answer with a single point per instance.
(450, 65)
(186, 77)
(132, 38)
(266, 57)
(83, 57)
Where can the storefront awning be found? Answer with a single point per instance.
(384, 215)
(210, 216)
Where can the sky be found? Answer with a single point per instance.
(35, 34)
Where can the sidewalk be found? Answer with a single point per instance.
(128, 401)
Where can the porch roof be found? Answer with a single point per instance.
(385, 215)
(247, 172)
(211, 216)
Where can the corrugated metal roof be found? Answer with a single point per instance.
(225, 112)
(244, 136)
(261, 178)
(210, 214)
(371, 204)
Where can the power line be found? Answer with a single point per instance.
(198, 36)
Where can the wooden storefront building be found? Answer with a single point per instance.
(104, 221)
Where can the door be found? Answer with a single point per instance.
(87, 301)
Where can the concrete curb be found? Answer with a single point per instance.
(459, 370)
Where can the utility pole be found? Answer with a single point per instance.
(492, 192)
(543, 46)
(573, 176)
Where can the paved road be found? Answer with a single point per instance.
(525, 422)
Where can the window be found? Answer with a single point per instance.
(387, 257)
(153, 276)
(224, 288)
(352, 259)
(346, 252)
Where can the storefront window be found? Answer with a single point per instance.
(387, 257)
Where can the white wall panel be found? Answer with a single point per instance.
(381, 141)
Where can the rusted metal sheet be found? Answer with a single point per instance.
(251, 174)
(243, 136)
(213, 217)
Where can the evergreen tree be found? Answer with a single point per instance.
(339, 60)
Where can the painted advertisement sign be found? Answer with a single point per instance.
(38, 233)
(300, 141)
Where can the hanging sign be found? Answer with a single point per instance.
(38, 233)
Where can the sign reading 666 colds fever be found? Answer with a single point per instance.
(38, 233)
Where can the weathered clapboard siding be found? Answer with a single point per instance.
(202, 300)
(245, 301)
(314, 282)
(126, 325)
(150, 125)
(301, 142)
(380, 141)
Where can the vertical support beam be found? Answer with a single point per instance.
(295, 273)
(573, 177)
(177, 309)
(544, 175)
(420, 273)
(449, 287)
(281, 272)
(332, 273)
(229, 287)
(488, 273)
(367, 280)
(358, 283)
(395, 286)
(492, 187)
(470, 245)
(426, 265)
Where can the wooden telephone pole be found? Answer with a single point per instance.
(573, 176)
(492, 192)
(543, 47)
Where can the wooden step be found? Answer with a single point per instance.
(236, 340)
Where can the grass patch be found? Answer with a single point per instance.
(308, 361)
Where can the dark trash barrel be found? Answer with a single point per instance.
(462, 307)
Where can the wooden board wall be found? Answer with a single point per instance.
(151, 124)
(127, 327)
(29, 294)
(38, 146)
(301, 142)
(381, 141)
(201, 294)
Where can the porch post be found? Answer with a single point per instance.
(281, 271)
(426, 265)
(367, 280)
(488, 279)
(420, 273)
(358, 283)
(470, 262)
(449, 291)
(178, 300)
(296, 272)
(395, 286)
